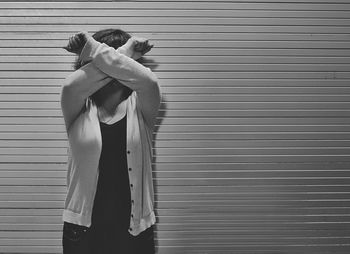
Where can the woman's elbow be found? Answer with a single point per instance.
(152, 79)
(73, 85)
(70, 90)
(67, 89)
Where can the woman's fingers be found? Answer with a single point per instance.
(71, 45)
(143, 47)
(138, 47)
(147, 49)
(75, 43)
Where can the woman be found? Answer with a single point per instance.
(109, 103)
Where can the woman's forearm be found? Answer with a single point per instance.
(117, 65)
(129, 72)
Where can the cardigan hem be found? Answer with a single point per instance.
(84, 220)
(76, 218)
(145, 223)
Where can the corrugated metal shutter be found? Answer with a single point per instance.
(253, 144)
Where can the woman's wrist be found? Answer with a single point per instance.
(127, 49)
(136, 47)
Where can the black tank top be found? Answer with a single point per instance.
(112, 202)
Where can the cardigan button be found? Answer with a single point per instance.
(128, 151)
(130, 169)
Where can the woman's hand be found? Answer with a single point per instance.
(136, 47)
(76, 43)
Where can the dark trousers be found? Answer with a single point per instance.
(105, 239)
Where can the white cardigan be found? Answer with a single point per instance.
(85, 143)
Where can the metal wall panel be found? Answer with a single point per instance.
(252, 143)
